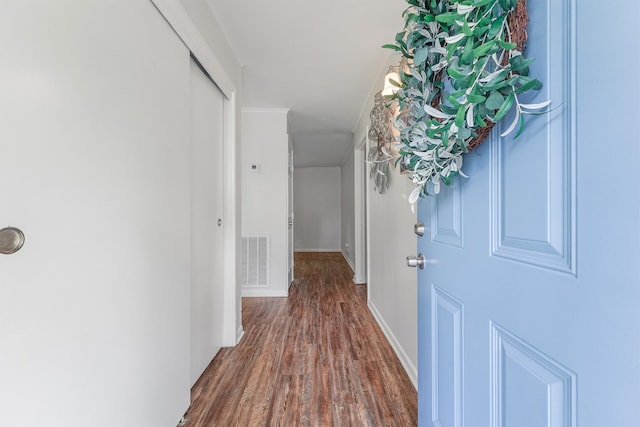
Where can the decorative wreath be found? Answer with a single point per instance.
(462, 71)
(381, 133)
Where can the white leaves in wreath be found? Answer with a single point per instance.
(535, 106)
(454, 39)
(415, 195)
(470, 119)
(496, 74)
(513, 124)
(439, 66)
(434, 112)
(523, 109)
(438, 49)
(465, 9)
(420, 76)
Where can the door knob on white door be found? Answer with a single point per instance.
(416, 261)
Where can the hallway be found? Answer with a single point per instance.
(316, 358)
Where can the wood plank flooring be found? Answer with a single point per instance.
(316, 358)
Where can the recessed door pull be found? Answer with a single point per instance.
(11, 240)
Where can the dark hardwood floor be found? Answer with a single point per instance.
(316, 358)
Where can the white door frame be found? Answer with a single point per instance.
(177, 17)
(360, 211)
(290, 218)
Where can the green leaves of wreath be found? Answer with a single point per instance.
(462, 72)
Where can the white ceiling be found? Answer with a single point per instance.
(319, 59)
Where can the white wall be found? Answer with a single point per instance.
(94, 310)
(391, 284)
(317, 205)
(348, 209)
(265, 143)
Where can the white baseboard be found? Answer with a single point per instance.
(409, 367)
(239, 334)
(359, 280)
(346, 258)
(266, 292)
(316, 250)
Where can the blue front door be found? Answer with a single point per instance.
(529, 302)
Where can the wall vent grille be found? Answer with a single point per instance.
(255, 261)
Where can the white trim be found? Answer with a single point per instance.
(409, 367)
(179, 20)
(360, 212)
(346, 258)
(362, 145)
(259, 293)
(232, 304)
(347, 153)
(288, 210)
(367, 213)
(316, 250)
(239, 333)
(267, 110)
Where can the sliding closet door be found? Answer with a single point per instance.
(206, 220)
(94, 308)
